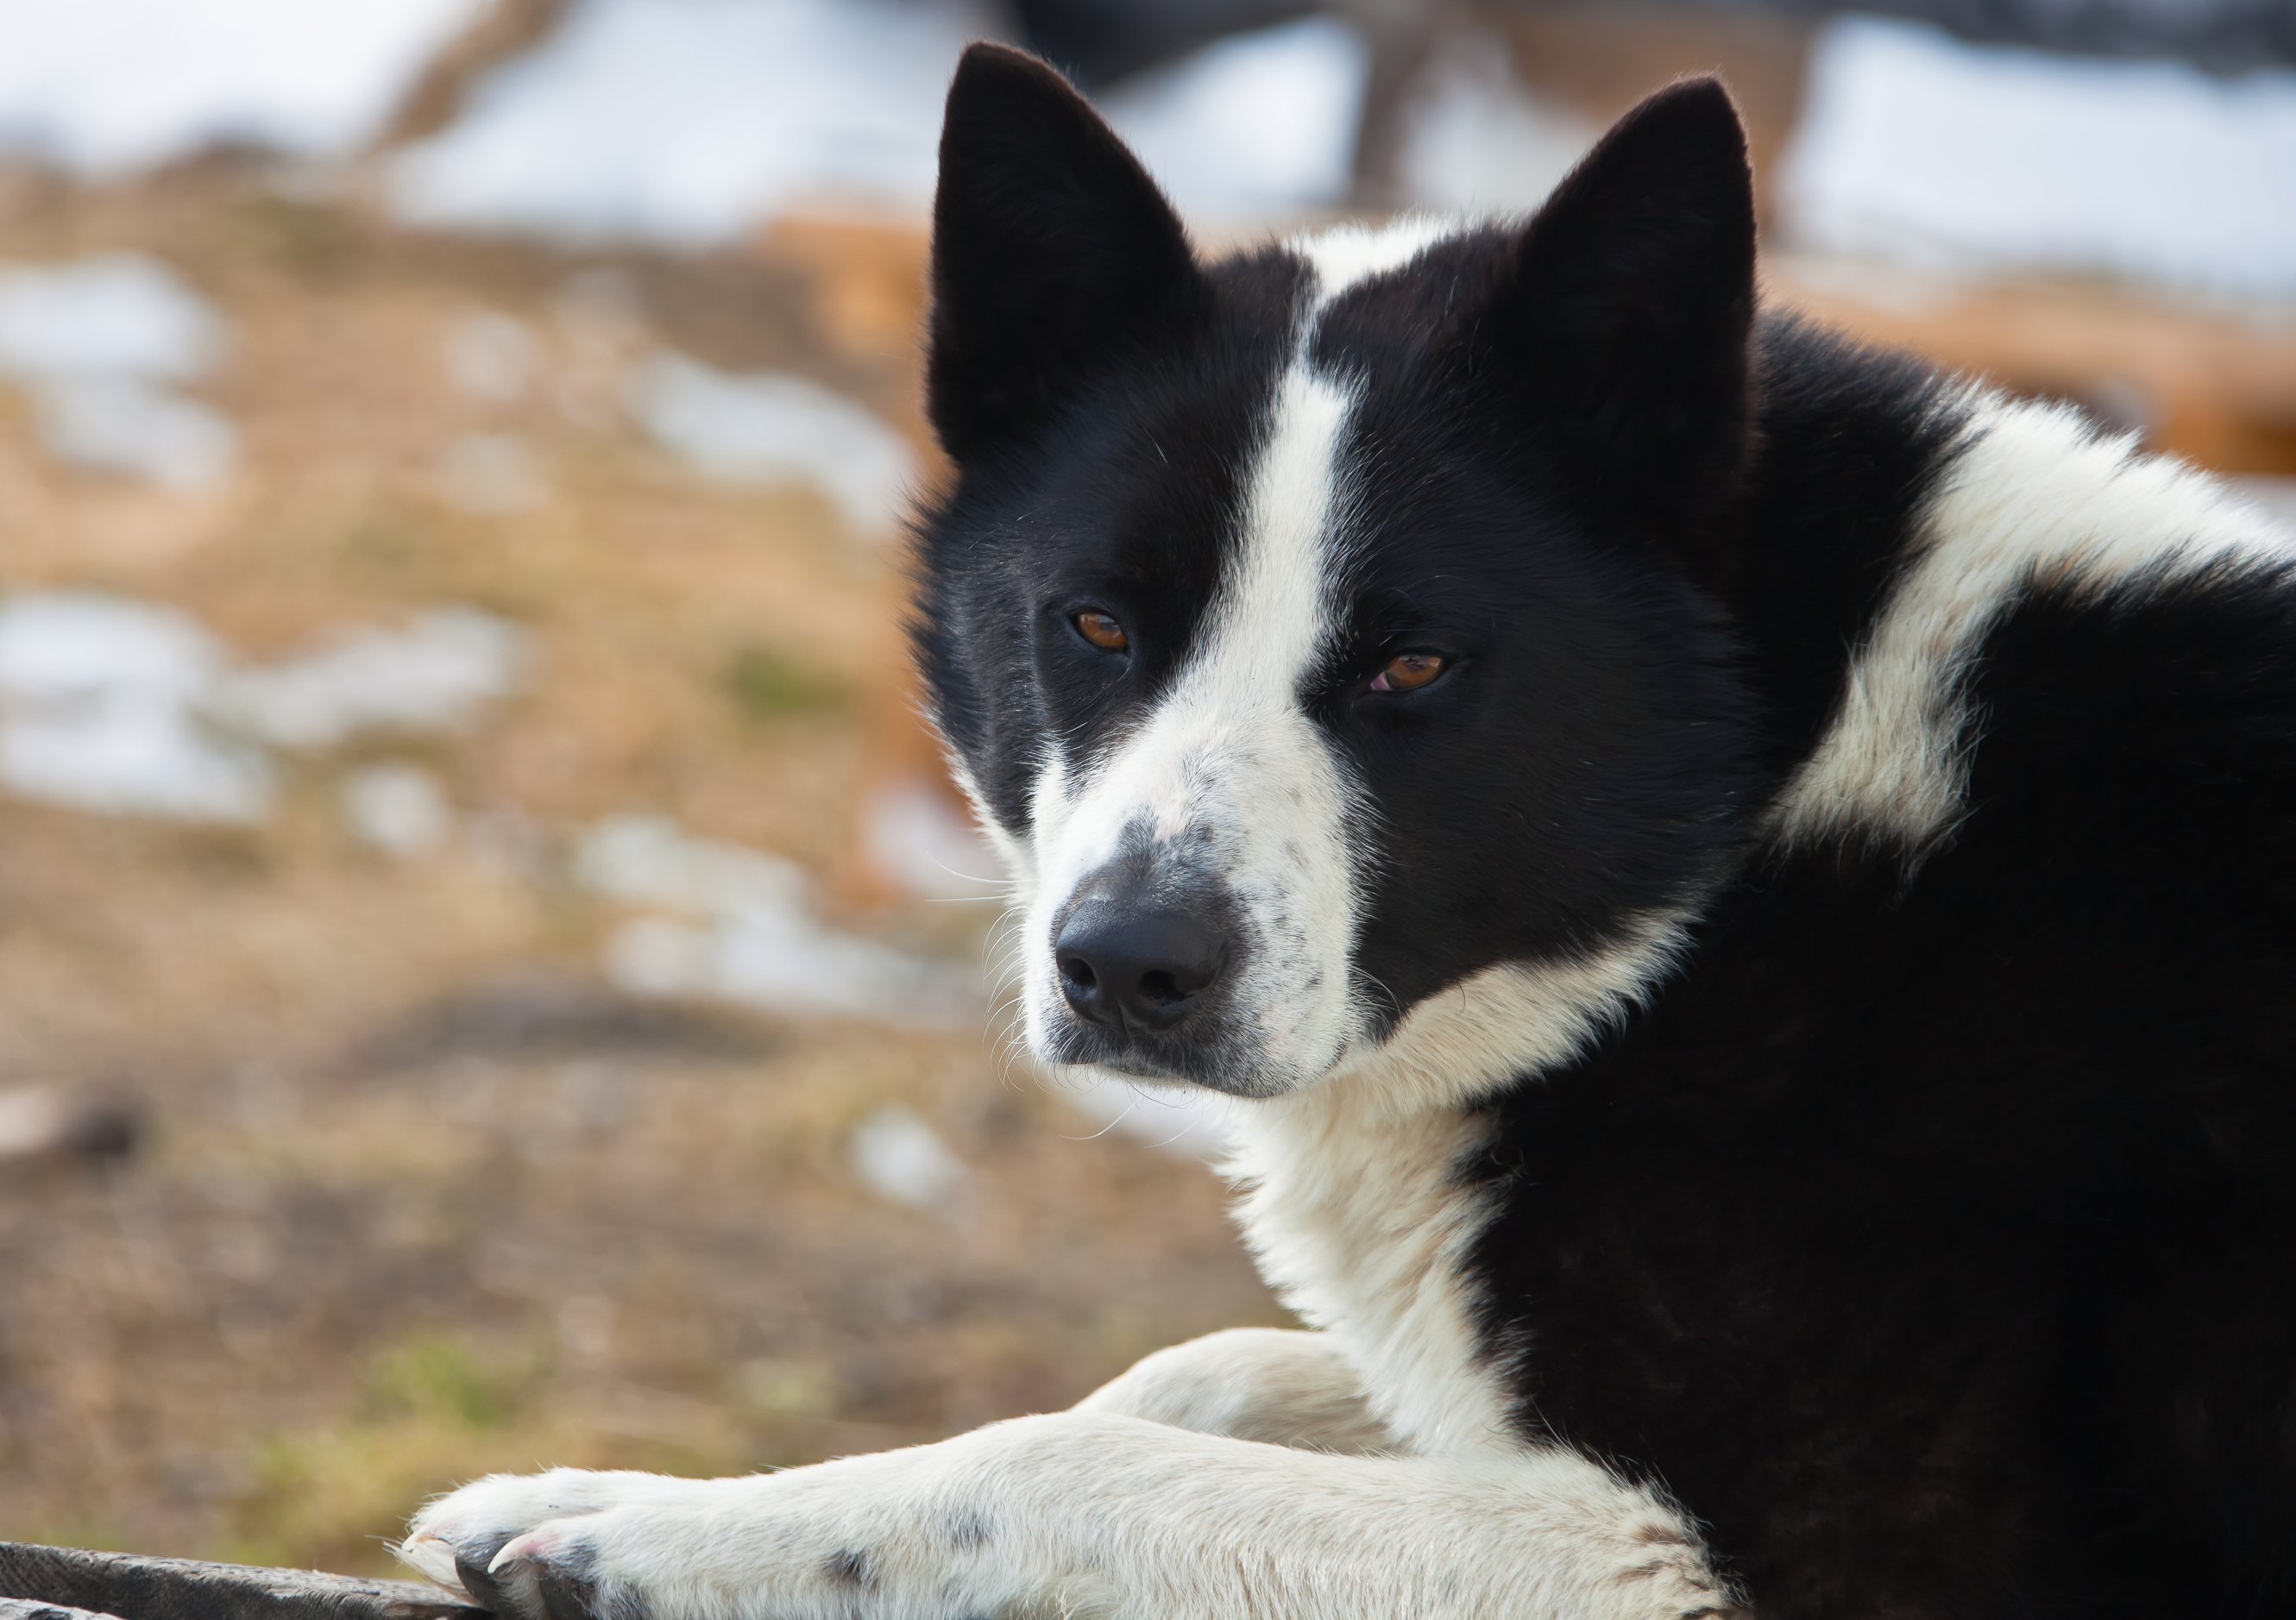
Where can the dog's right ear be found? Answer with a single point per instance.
(1052, 247)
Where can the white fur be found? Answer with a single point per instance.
(1349, 254)
(1089, 1513)
(1351, 1203)
(1511, 1019)
(2035, 498)
(1231, 757)
(1356, 1224)
(1369, 1472)
(1274, 1385)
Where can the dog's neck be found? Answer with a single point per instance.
(1361, 1224)
(1354, 1202)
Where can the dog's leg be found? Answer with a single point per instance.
(1283, 1386)
(1074, 1514)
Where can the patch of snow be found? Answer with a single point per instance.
(897, 1156)
(489, 474)
(1473, 140)
(766, 429)
(43, 1121)
(108, 87)
(130, 429)
(62, 647)
(114, 315)
(100, 701)
(784, 960)
(1259, 124)
(659, 956)
(1916, 147)
(131, 707)
(97, 342)
(920, 840)
(125, 757)
(398, 809)
(746, 932)
(650, 860)
(435, 675)
(493, 356)
(690, 121)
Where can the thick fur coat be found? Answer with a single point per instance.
(1740, 887)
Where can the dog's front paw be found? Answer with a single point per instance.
(881, 1535)
(567, 1545)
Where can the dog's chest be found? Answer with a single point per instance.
(1362, 1226)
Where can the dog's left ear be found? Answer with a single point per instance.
(1052, 250)
(1630, 308)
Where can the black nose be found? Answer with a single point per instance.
(1146, 969)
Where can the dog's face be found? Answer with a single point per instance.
(1318, 630)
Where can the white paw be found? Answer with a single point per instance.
(537, 1545)
(867, 1536)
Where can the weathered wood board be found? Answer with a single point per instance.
(65, 1583)
(24, 1609)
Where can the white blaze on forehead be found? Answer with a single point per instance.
(1349, 254)
(1230, 760)
(1259, 638)
(1273, 616)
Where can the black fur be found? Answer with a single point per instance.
(850, 1567)
(1934, 1243)
(968, 1530)
(1050, 248)
(1931, 1238)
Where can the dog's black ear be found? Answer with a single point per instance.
(1631, 306)
(1050, 248)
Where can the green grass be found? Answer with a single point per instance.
(765, 685)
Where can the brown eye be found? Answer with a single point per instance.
(1408, 672)
(1102, 630)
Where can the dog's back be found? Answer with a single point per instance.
(1740, 886)
(1931, 1234)
(1812, 1020)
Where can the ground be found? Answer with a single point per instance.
(418, 1195)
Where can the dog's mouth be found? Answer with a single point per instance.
(1212, 1053)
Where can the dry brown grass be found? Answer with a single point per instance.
(420, 1200)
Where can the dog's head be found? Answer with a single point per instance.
(1321, 631)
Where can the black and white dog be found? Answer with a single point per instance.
(1749, 889)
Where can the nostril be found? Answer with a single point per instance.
(1076, 971)
(1161, 989)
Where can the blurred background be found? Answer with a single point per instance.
(490, 974)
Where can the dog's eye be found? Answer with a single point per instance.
(1102, 630)
(1408, 672)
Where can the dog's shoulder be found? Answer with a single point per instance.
(1984, 1057)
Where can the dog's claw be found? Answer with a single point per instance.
(472, 1567)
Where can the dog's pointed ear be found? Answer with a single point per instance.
(1631, 306)
(1050, 248)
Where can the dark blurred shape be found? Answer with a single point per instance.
(2223, 34)
(1097, 41)
(538, 1018)
(45, 1122)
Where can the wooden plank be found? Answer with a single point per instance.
(130, 1587)
(23, 1608)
